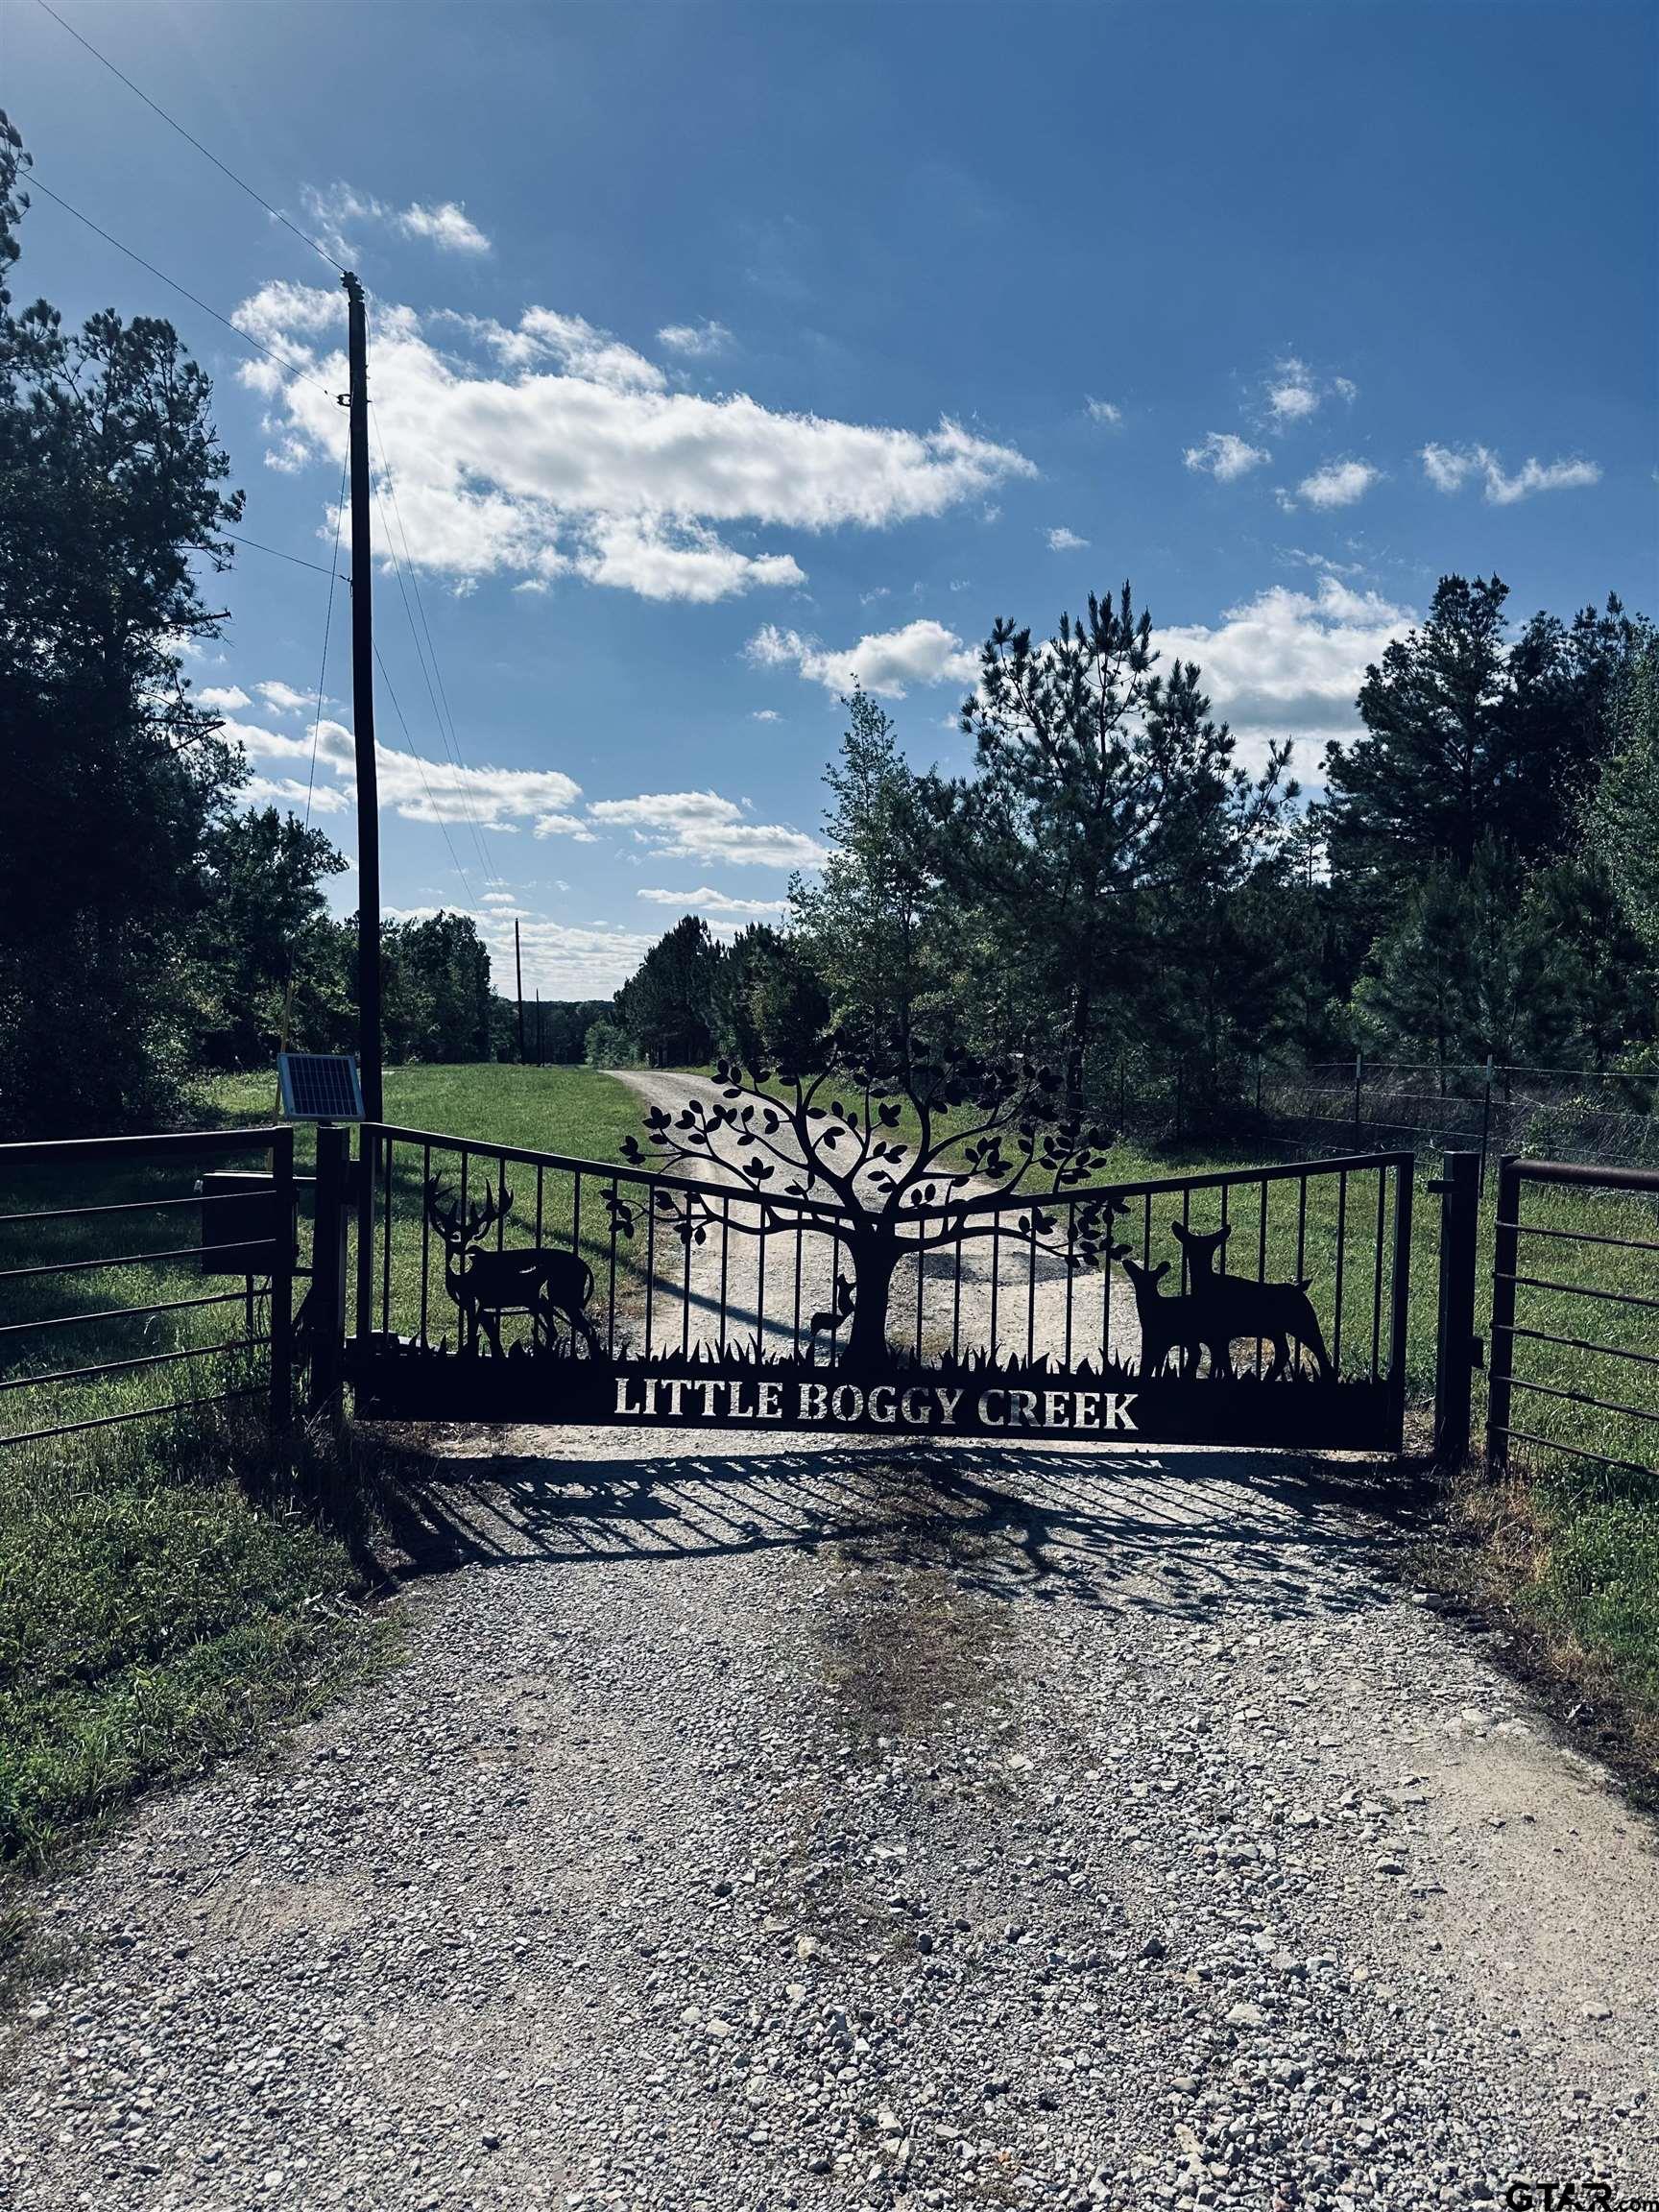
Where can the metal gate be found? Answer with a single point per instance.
(1264, 1305)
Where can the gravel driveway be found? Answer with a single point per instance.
(949, 1826)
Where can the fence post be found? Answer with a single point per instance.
(1486, 1125)
(1506, 1248)
(368, 1169)
(1457, 1349)
(329, 1266)
(282, 1278)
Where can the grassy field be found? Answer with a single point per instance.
(170, 1589)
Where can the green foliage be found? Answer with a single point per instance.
(1102, 789)
(1622, 817)
(872, 926)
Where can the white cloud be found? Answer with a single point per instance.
(1064, 540)
(429, 791)
(1338, 483)
(1104, 411)
(886, 661)
(288, 791)
(697, 340)
(282, 698)
(1225, 457)
(445, 225)
(706, 900)
(1449, 468)
(1294, 392)
(1290, 664)
(703, 825)
(552, 448)
(223, 698)
(1291, 393)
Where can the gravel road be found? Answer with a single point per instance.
(957, 1826)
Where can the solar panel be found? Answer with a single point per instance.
(320, 1085)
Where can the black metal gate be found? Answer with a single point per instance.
(1264, 1305)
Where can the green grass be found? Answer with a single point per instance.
(168, 1590)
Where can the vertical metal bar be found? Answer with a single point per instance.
(386, 1247)
(368, 1153)
(1070, 1249)
(1341, 1259)
(1454, 1351)
(282, 1279)
(1505, 1249)
(1262, 1268)
(328, 1300)
(761, 1289)
(610, 1294)
(725, 1259)
(425, 1235)
(996, 1275)
(1031, 1292)
(685, 1290)
(956, 1297)
(1400, 1319)
(650, 1262)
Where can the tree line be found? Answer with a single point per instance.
(1108, 887)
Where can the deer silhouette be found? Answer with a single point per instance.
(538, 1281)
(1166, 1323)
(1234, 1305)
(829, 1319)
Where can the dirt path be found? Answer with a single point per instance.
(834, 1829)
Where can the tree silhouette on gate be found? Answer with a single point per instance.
(831, 1139)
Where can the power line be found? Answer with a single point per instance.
(287, 368)
(449, 739)
(276, 551)
(413, 751)
(327, 626)
(223, 167)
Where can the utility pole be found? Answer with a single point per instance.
(519, 974)
(363, 712)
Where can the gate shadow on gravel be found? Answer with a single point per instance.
(1125, 1531)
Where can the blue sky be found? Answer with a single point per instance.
(721, 351)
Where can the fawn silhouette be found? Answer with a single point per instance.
(1233, 1306)
(1166, 1323)
(828, 1318)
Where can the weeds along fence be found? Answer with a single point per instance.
(1489, 1108)
(144, 1276)
(1574, 1346)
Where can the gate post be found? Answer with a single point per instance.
(282, 1279)
(329, 1266)
(1457, 1349)
(1506, 1252)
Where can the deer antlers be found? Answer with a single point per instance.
(480, 1218)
